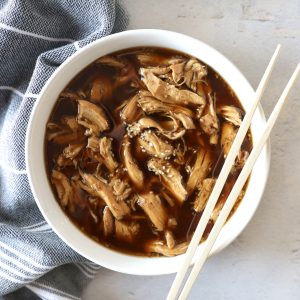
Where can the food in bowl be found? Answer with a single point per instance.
(134, 145)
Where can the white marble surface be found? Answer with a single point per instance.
(264, 262)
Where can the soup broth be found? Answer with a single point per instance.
(134, 145)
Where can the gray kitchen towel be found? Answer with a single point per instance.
(36, 36)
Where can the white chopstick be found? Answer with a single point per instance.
(221, 180)
(237, 188)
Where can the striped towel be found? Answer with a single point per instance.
(35, 38)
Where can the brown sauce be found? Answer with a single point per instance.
(80, 212)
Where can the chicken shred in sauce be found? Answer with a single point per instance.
(135, 144)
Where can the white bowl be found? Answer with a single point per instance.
(35, 148)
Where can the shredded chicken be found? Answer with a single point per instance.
(63, 187)
(153, 207)
(161, 248)
(69, 132)
(73, 150)
(179, 71)
(103, 151)
(152, 105)
(170, 239)
(106, 153)
(92, 117)
(121, 188)
(231, 114)
(111, 61)
(210, 123)
(172, 223)
(215, 214)
(186, 121)
(141, 148)
(168, 198)
(240, 160)
(118, 208)
(170, 177)
(228, 134)
(102, 89)
(152, 59)
(126, 232)
(169, 93)
(108, 222)
(131, 112)
(133, 170)
(93, 143)
(204, 193)
(169, 129)
(154, 145)
(200, 169)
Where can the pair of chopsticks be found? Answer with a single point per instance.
(200, 260)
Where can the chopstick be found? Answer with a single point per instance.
(237, 187)
(221, 180)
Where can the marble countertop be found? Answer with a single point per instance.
(264, 261)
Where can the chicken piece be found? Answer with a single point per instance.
(133, 170)
(108, 222)
(172, 223)
(240, 161)
(152, 59)
(189, 72)
(170, 129)
(154, 145)
(178, 71)
(111, 61)
(69, 132)
(154, 209)
(169, 176)
(121, 188)
(63, 162)
(151, 105)
(210, 123)
(126, 232)
(131, 112)
(72, 123)
(170, 239)
(194, 72)
(228, 134)
(169, 93)
(161, 248)
(72, 150)
(106, 153)
(92, 117)
(103, 151)
(200, 169)
(62, 186)
(102, 88)
(186, 121)
(231, 114)
(216, 212)
(204, 193)
(93, 143)
(144, 123)
(167, 197)
(88, 189)
(67, 158)
(118, 208)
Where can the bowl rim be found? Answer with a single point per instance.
(38, 180)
